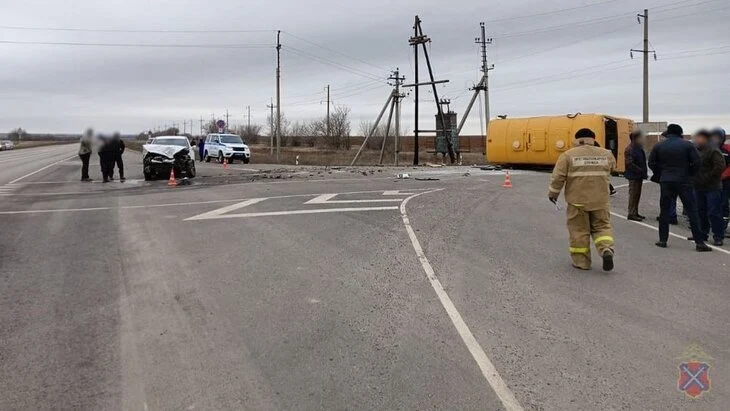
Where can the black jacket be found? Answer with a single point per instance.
(709, 177)
(674, 160)
(635, 161)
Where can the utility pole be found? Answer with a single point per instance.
(278, 94)
(419, 39)
(398, 79)
(201, 126)
(328, 110)
(226, 129)
(249, 118)
(485, 69)
(483, 85)
(272, 132)
(645, 51)
(415, 81)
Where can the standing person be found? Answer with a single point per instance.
(85, 153)
(585, 172)
(676, 161)
(719, 138)
(636, 172)
(201, 147)
(708, 188)
(116, 150)
(105, 158)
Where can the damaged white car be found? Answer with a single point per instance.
(167, 153)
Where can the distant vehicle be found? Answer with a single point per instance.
(6, 145)
(167, 153)
(539, 141)
(226, 146)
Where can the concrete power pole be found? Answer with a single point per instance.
(249, 118)
(398, 81)
(272, 132)
(278, 94)
(226, 129)
(645, 51)
(485, 69)
(328, 110)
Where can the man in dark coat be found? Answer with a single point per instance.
(116, 150)
(677, 162)
(106, 157)
(636, 172)
(708, 188)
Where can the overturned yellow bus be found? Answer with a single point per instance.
(539, 141)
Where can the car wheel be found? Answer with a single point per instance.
(246, 160)
(147, 177)
(191, 170)
(206, 157)
(220, 157)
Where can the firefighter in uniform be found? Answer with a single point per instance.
(585, 172)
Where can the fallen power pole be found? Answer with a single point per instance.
(419, 39)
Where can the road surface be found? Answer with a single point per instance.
(308, 289)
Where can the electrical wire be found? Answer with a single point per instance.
(547, 13)
(142, 45)
(300, 38)
(90, 30)
(341, 66)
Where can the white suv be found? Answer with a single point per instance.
(226, 146)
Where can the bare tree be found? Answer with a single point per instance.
(339, 130)
(250, 133)
(17, 134)
(376, 139)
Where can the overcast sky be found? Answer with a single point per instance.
(555, 57)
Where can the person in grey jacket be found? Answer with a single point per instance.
(85, 154)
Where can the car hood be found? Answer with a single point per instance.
(167, 151)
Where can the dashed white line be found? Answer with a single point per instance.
(485, 365)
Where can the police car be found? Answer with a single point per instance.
(226, 146)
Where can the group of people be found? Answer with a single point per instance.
(110, 150)
(697, 171)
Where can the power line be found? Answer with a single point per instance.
(341, 66)
(142, 45)
(91, 30)
(332, 50)
(547, 13)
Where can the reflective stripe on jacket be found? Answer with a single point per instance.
(584, 171)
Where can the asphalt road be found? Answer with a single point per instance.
(270, 288)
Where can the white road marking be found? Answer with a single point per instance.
(217, 212)
(670, 233)
(296, 212)
(327, 199)
(621, 186)
(485, 365)
(398, 193)
(41, 169)
(190, 203)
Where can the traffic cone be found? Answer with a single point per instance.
(172, 182)
(225, 163)
(507, 180)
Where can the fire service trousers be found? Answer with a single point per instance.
(584, 225)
